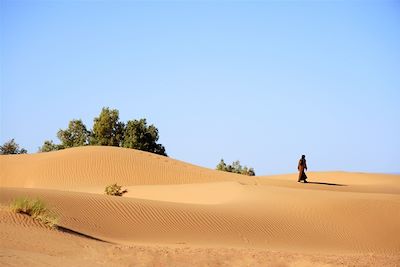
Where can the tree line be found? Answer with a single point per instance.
(107, 130)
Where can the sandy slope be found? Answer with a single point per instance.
(177, 204)
(24, 242)
(77, 168)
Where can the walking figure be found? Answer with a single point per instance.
(301, 167)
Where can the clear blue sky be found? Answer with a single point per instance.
(261, 82)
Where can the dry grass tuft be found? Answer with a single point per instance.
(115, 190)
(36, 209)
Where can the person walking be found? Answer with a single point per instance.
(302, 167)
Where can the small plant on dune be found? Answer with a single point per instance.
(235, 167)
(36, 209)
(115, 190)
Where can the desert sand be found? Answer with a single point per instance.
(179, 214)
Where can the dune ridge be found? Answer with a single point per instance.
(73, 168)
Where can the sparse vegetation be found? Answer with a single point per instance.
(11, 147)
(115, 190)
(36, 209)
(235, 167)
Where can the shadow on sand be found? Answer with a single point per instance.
(326, 183)
(72, 232)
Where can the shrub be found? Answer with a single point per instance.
(36, 209)
(235, 167)
(115, 190)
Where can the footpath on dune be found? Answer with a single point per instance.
(175, 203)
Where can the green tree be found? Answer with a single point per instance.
(75, 135)
(139, 135)
(11, 147)
(49, 146)
(107, 129)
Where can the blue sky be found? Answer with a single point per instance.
(260, 82)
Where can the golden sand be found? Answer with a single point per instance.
(197, 216)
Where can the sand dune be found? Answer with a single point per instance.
(261, 217)
(72, 169)
(172, 203)
(204, 193)
(24, 242)
(340, 181)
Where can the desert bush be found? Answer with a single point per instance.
(235, 167)
(36, 209)
(115, 190)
